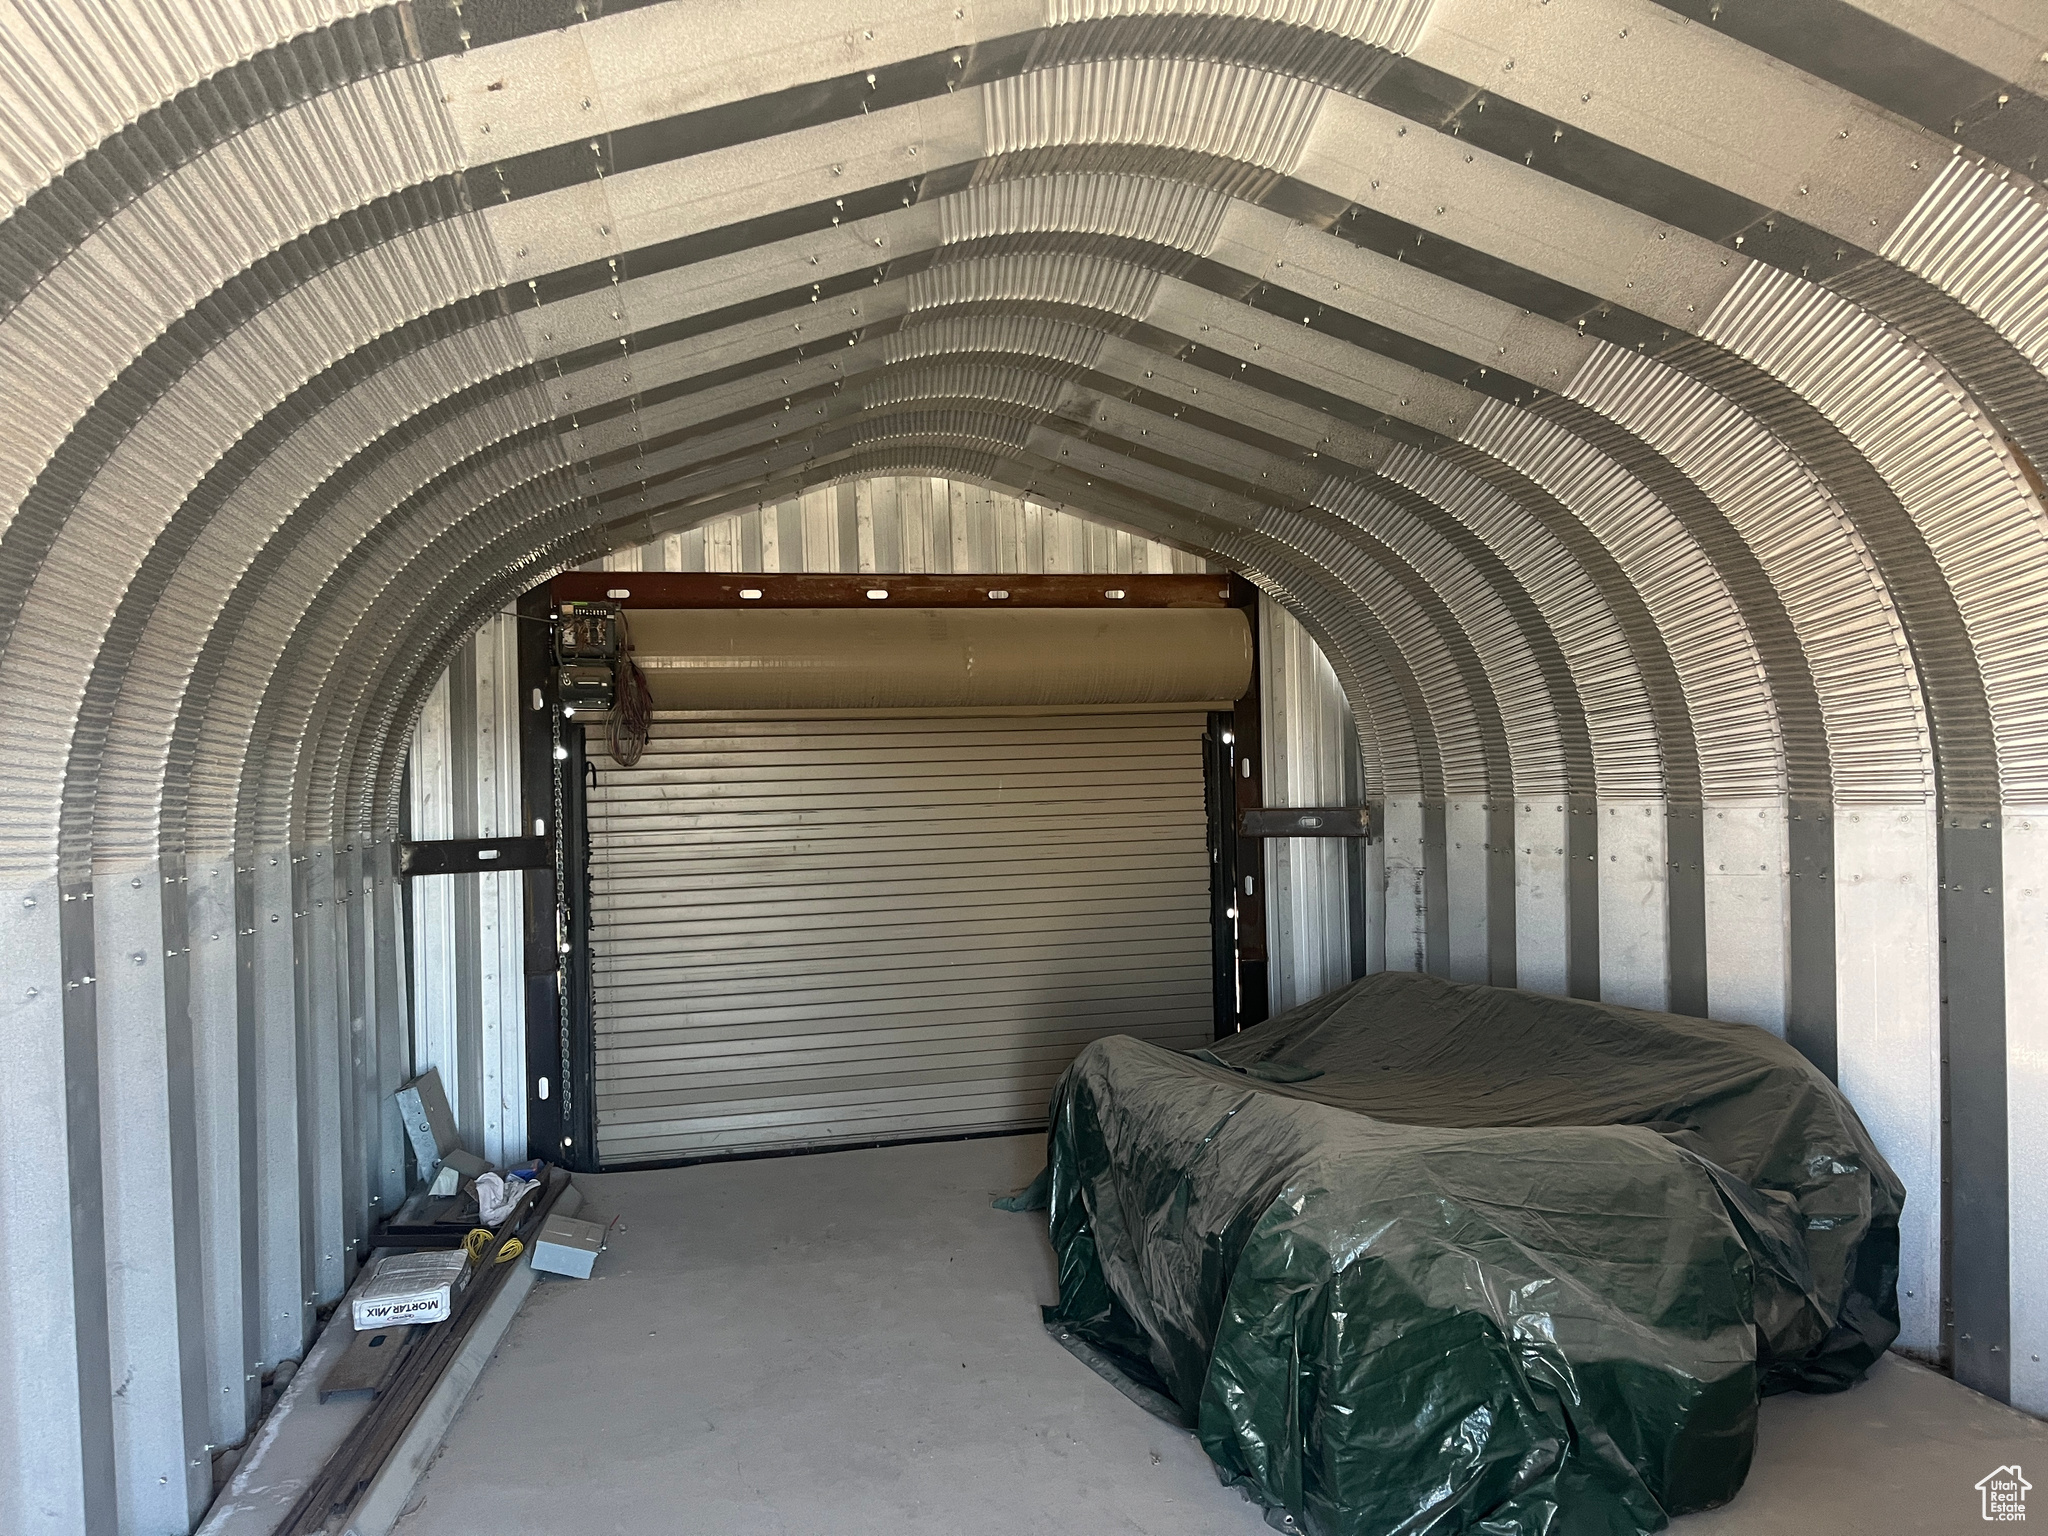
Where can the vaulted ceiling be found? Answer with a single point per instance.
(1628, 398)
(1639, 401)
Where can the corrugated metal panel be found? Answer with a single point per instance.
(71, 75)
(894, 524)
(1315, 912)
(330, 663)
(1219, 109)
(986, 382)
(196, 229)
(469, 996)
(1733, 718)
(1848, 630)
(1619, 718)
(1528, 702)
(1391, 24)
(99, 540)
(1072, 346)
(1394, 732)
(818, 931)
(1170, 213)
(1980, 232)
(1037, 276)
(416, 622)
(1448, 675)
(1986, 528)
(434, 479)
(307, 495)
(1001, 433)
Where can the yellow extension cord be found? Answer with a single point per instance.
(479, 1241)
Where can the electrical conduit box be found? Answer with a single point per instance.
(567, 1246)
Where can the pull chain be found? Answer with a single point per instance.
(567, 1082)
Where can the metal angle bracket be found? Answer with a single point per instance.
(1322, 821)
(472, 855)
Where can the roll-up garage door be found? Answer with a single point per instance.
(837, 930)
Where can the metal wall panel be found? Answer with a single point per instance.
(469, 1009)
(808, 932)
(894, 524)
(1315, 886)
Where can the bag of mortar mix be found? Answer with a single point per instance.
(409, 1288)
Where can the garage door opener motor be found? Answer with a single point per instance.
(588, 639)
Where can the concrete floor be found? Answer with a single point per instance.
(849, 1344)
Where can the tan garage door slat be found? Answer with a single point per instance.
(810, 932)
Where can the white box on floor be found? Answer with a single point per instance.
(567, 1246)
(410, 1288)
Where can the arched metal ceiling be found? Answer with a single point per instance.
(1642, 403)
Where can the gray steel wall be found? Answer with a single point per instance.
(468, 962)
(1325, 897)
(893, 524)
(1650, 434)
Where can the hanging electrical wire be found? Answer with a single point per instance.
(632, 704)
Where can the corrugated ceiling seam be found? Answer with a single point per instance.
(999, 433)
(990, 383)
(1075, 347)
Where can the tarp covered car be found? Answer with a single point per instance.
(1427, 1257)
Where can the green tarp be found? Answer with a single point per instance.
(1421, 1257)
